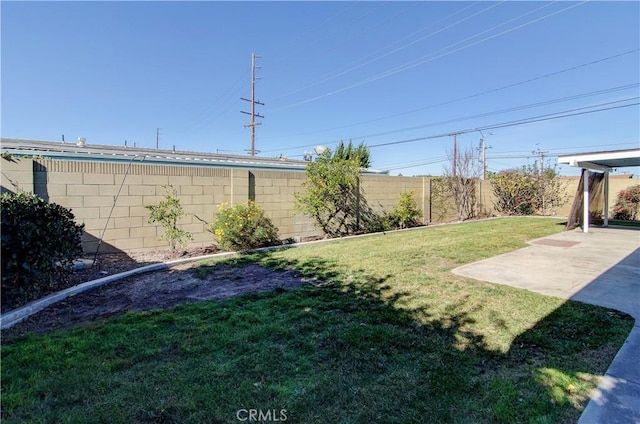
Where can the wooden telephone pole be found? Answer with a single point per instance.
(253, 102)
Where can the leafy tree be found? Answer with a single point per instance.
(529, 190)
(332, 194)
(168, 212)
(627, 203)
(360, 153)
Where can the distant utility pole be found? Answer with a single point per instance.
(455, 152)
(158, 138)
(253, 102)
(541, 154)
(483, 152)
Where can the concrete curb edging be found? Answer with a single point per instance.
(13, 317)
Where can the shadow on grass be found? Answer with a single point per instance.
(347, 349)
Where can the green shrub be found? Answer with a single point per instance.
(627, 203)
(406, 214)
(168, 213)
(528, 190)
(332, 196)
(40, 240)
(243, 227)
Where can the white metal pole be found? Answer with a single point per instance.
(605, 212)
(585, 200)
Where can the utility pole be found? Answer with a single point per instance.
(483, 153)
(455, 152)
(157, 138)
(541, 178)
(484, 159)
(253, 102)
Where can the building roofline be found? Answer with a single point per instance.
(106, 153)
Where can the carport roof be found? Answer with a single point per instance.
(603, 161)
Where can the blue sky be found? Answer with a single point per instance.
(378, 72)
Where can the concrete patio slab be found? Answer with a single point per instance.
(601, 267)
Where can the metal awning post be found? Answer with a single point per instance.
(585, 200)
(605, 212)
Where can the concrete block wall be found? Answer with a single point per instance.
(383, 192)
(110, 198)
(274, 192)
(17, 174)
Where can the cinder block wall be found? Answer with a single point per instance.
(16, 175)
(382, 192)
(110, 198)
(111, 201)
(274, 191)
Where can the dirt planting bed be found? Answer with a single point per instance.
(186, 283)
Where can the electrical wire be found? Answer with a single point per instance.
(222, 100)
(507, 110)
(358, 63)
(484, 114)
(421, 61)
(551, 153)
(448, 102)
(540, 118)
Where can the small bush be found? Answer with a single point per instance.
(40, 240)
(243, 227)
(627, 203)
(168, 213)
(406, 214)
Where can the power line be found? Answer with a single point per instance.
(544, 117)
(422, 60)
(548, 117)
(358, 63)
(548, 75)
(220, 102)
(504, 155)
(507, 110)
(485, 114)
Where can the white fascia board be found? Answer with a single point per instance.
(596, 157)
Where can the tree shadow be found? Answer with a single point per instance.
(346, 347)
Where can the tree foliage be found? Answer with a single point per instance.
(40, 240)
(332, 195)
(168, 213)
(360, 153)
(528, 190)
(627, 203)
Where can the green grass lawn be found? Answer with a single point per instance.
(389, 336)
